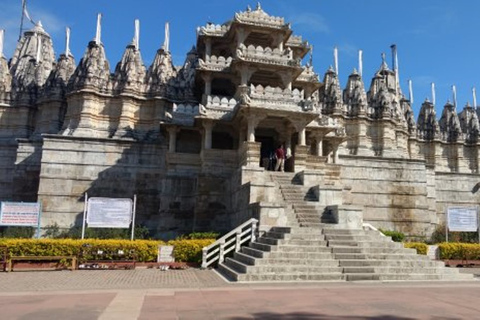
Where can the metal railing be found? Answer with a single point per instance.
(233, 240)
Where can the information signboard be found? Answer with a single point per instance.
(165, 254)
(109, 212)
(462, 219)
(23, 214)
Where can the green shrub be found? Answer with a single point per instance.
(422, 248)
(17, 232)
(201, 235)
(396, 236)
(189, 250)
(53, 231)
(459, 251)
(146, 250)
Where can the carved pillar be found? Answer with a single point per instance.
(301, 137)
(245, 73)
(252, 123)
(172, 139)
(288, 142)
(208, 48)
(287, 80)
(207, 138)
(207, 77)
(319, 139)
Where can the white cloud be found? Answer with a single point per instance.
(312, 21)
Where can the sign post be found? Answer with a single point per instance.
(133, 217)
(84, 215)
(462, 219)
(21, 214)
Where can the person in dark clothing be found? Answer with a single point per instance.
(280, 156)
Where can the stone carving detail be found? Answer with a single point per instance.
(427, 124)
(31, 65)
(449, 123)
(93, 71)
(160, 73)
(5, 81)
(56, 84)
(354, 95)
(130, 71)
(181, 88)
(408, 115)
(258, 17)
(331, 95)
(469, 124)
(383, 96)
(215, 63)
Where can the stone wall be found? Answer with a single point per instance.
(393, 192)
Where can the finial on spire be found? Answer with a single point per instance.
(410, 92)
(433, 94)
(2, 36)
(166, 43)
(454, 96)
(39, 48)
(310, 62)
(249, 9)
(136, 38)
(360, 62)
(335, 59)
(259, 7)
(395, 66)
(474, 93)
(67, 42)
(98, 35)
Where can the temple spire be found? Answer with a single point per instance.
(474, 93)
(433, 94)
(2, 36)
(67, 42)
(360, 62)
(410, 92)
(137, 34)
(335, 59)
(98, 35)
(454, 93)
(166, 43)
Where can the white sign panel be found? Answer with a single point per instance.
(19, 213)
(109, 212)
(165, 254)
(462, 219)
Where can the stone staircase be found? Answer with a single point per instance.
(314, 249)
(368, 255)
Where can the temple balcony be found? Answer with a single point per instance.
(218, 107)
(267, 55)
(184, 114)
(214, 30)
(214, 63)
(280, 99)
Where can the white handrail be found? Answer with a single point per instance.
(233, 240)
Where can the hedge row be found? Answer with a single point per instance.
(422, 248)
(459, 251)
(145, 250)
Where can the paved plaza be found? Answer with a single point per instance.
(201, 294)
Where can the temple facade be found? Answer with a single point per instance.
(191, 141)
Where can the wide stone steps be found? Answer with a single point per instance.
(408, 277)
(363, 244)
(324, 260)
(374, 250)
(279, 277)
(278, 268)
(399, 270)
(390, 263)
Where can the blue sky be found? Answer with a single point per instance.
(438, 40)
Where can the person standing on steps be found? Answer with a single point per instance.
(280, 156)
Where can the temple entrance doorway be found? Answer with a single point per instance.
(267, 151)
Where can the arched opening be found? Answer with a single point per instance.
(189, 141)
(266, 78)
(223, 87)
